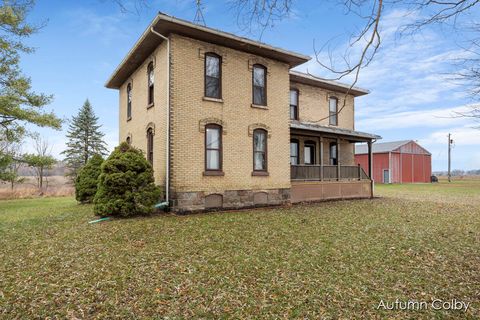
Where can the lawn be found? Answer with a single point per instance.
(331, 260)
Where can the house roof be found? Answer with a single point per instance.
(333, 130)
(166, 24)
(382, 147)
(309, 79)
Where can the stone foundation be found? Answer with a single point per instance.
(186, 202)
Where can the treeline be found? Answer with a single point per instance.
(459, 173)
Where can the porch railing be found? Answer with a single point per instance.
(320, 173)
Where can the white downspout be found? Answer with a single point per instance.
(167, 149)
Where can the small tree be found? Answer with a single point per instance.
(84, 139)
(87, 179)
(126, 186)
(41, 161)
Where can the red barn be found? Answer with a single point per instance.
(397, 162)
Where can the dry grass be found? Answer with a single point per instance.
(332, 260)
(57, 186)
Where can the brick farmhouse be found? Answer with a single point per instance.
(226, 123)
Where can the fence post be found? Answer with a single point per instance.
(359, 172)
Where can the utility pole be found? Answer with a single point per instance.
(450, 141)
(199, 15)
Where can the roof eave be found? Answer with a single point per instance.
(299, 77)
(292, 58)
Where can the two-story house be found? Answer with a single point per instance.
(226, 123)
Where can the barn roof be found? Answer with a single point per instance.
(383, 147)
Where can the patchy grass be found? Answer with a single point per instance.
(332, 260)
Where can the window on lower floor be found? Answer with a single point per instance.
(150, 145)
(309, 152)
(333, 154)
(259, 150)
(294, 151)
(213, 147)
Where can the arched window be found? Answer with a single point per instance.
(259, 83)
(293, 104)
(129, 101)
(213, 75)
(294, 152)
(333, 111)
(213, 147)
(309, 152)
(259, 150)
(151, 82)
(129, 140)
(150, 145)
(333, 154)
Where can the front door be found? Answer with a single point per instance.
(386, 176)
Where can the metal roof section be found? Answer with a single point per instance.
(166, 25)
(333, 130)
(383, 147)
(306, 78)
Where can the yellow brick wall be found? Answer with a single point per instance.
(142, 117)
(313, 105)
(235, 112)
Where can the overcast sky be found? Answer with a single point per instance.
(412, 94)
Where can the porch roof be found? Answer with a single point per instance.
(352, 134)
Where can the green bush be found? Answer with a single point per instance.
(87, 179)
(126, 186)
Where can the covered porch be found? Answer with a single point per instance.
(323, 163)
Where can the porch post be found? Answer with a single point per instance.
(370, 167)
(321, 158)
(338, 159)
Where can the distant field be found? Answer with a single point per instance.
(54, 186)
(333, 260)
(465, 190)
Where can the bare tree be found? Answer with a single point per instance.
(40, 161)
(364, 44)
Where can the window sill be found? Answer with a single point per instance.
(213, 173)
(150, 105)
(212, 99)
(259, 106)
(260, 173)
(129, 118)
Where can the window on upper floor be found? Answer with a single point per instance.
(333, 111)
(129, 101)
(259, 82)
(213, 147)
(259, 150)
(151, 84)
(294, 152)
(213, 76)
(150, 145)
(293, 104)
